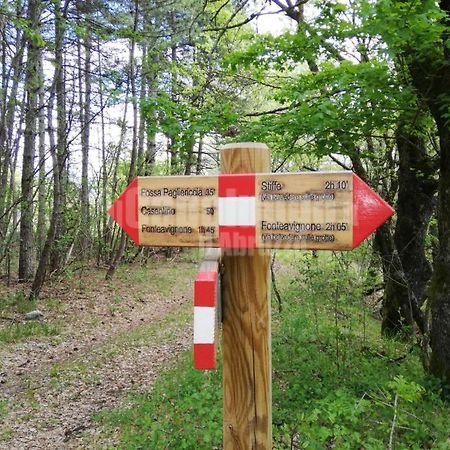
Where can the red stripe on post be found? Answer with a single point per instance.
(237, 185)
(205, 288)
(237, 236)
(204, 356)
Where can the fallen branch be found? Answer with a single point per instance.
(394, 422)
(11, 319)
(274, 284)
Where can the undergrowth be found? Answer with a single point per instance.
(21, 331)
(16, 301)
(336, 382)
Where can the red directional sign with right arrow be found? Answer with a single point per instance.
(319, 210)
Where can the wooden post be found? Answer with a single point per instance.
(247, 381)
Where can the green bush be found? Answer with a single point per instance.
(182, 411)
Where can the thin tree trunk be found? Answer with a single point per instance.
(150, 153)
(56, 247)
(7, 127)
(141, 134)
(199, 165)
(104, 232)
(41, 222)
(172, 141)
(58, 152)
(132, 172)
(189, 154)
(32, 82)
(85, 137)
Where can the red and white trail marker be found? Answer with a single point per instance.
(319, 210)
(206, 311)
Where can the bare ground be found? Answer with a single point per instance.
(115, 338)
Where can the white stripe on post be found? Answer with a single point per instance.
(204, 324)
(237, 211)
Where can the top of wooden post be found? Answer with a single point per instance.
(245, 157)
(245, 145)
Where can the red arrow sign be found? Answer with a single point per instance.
(320, 210)
(125, 211)
(369, 211)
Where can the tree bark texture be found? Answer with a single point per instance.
(85, 236)
(409, 270)
(57, 247)
(32, 83)
(431, 78)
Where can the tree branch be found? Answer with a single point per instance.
(339, 163)
(272, 111)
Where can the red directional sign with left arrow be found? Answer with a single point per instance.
(320, 210)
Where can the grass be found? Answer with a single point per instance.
(336, 383)
(16, 301)
(181, 414)
(17, 332)
(3, 409)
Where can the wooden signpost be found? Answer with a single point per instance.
(246, 211)
(320, 210)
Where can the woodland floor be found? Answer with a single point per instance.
(111, 339)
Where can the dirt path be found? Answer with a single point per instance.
(52, 387)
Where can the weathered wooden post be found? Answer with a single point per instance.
(247, 382)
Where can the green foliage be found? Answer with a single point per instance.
(410, 29)
(339, 81)
(183, 411)
(5, 432)
(336, 383)
(332, 107)
(7, 10)
(335, 380)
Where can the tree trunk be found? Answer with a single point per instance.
(409, 269)
(41, 222)
(85, 238)
(199, 165)
(141, 133)
(440, 289)
(431, 78)
(6, 131)
(58, 152)
(32, 82)
(118, 254)
(189, 154)
(172, 140)
(103, 231)
(57, 247)
(150, 153)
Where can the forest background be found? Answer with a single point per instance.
(96, 92)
